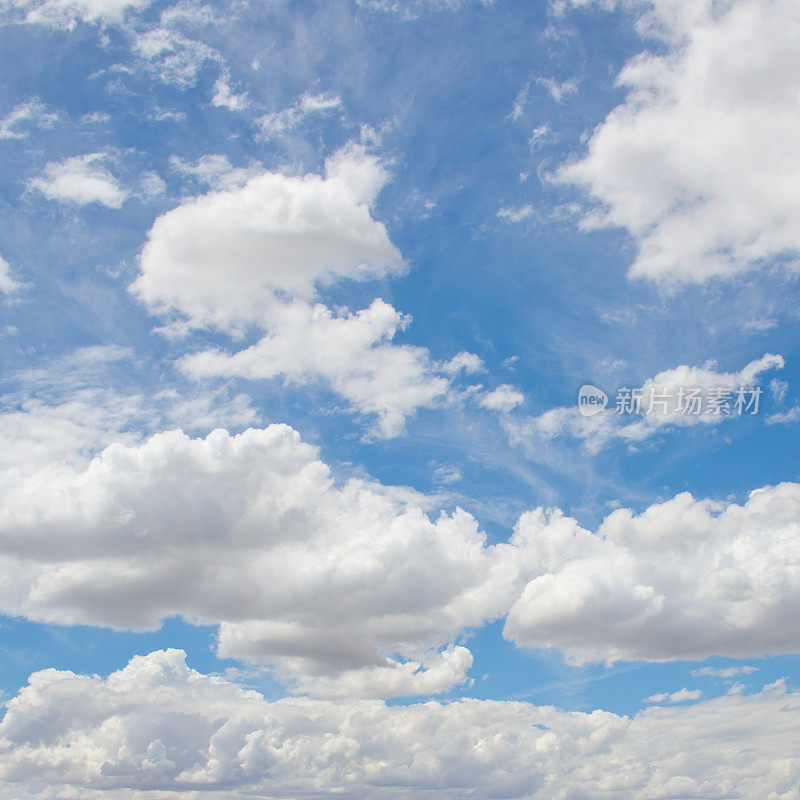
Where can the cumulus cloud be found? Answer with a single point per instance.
(157, 726)
(701, 162)
(81, 180)
(353, 353)
(685, 578)
(347, 584)
(253, 255)
(219, 258)
(679, 397)
(356, 589)
(504, 398)
(463, 362)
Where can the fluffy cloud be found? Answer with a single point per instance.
(157, 726)
(701, 162)
(354, 589)
(254, 254)
(351, 352)
(677, 397)
(250, 531)
(465, 362)
(684, 579)
(504, 398)
(65, 13)
(81, 180)
(219, 258)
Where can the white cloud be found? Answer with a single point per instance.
(157, 727)
(412, 9)
(517, 214)
(395, 679)
(504, 398)
(665, 403)
(8, 285)
(681, 696)
(310, 104)
(81, 180)
(778, 389)
(701, 162)
(684, 579)
(788, 417)
(724, 672)
(95, 118)
(559, 90)
(30, 114)
(37, 432)
(66, 13)
(66, 411)
(353, 353)
(172, 57)
(215, 171)
(152, 185)
(541, 134)
(468, 363)
(520, 101)
(218, 259)
(337, 587)
(225, 98)
(355, 589)
(254, 253)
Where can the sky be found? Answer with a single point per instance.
(400, 398)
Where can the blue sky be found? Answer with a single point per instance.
(378, 246)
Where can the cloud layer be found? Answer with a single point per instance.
(355, 589)
(249, 531)
(157, 726)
